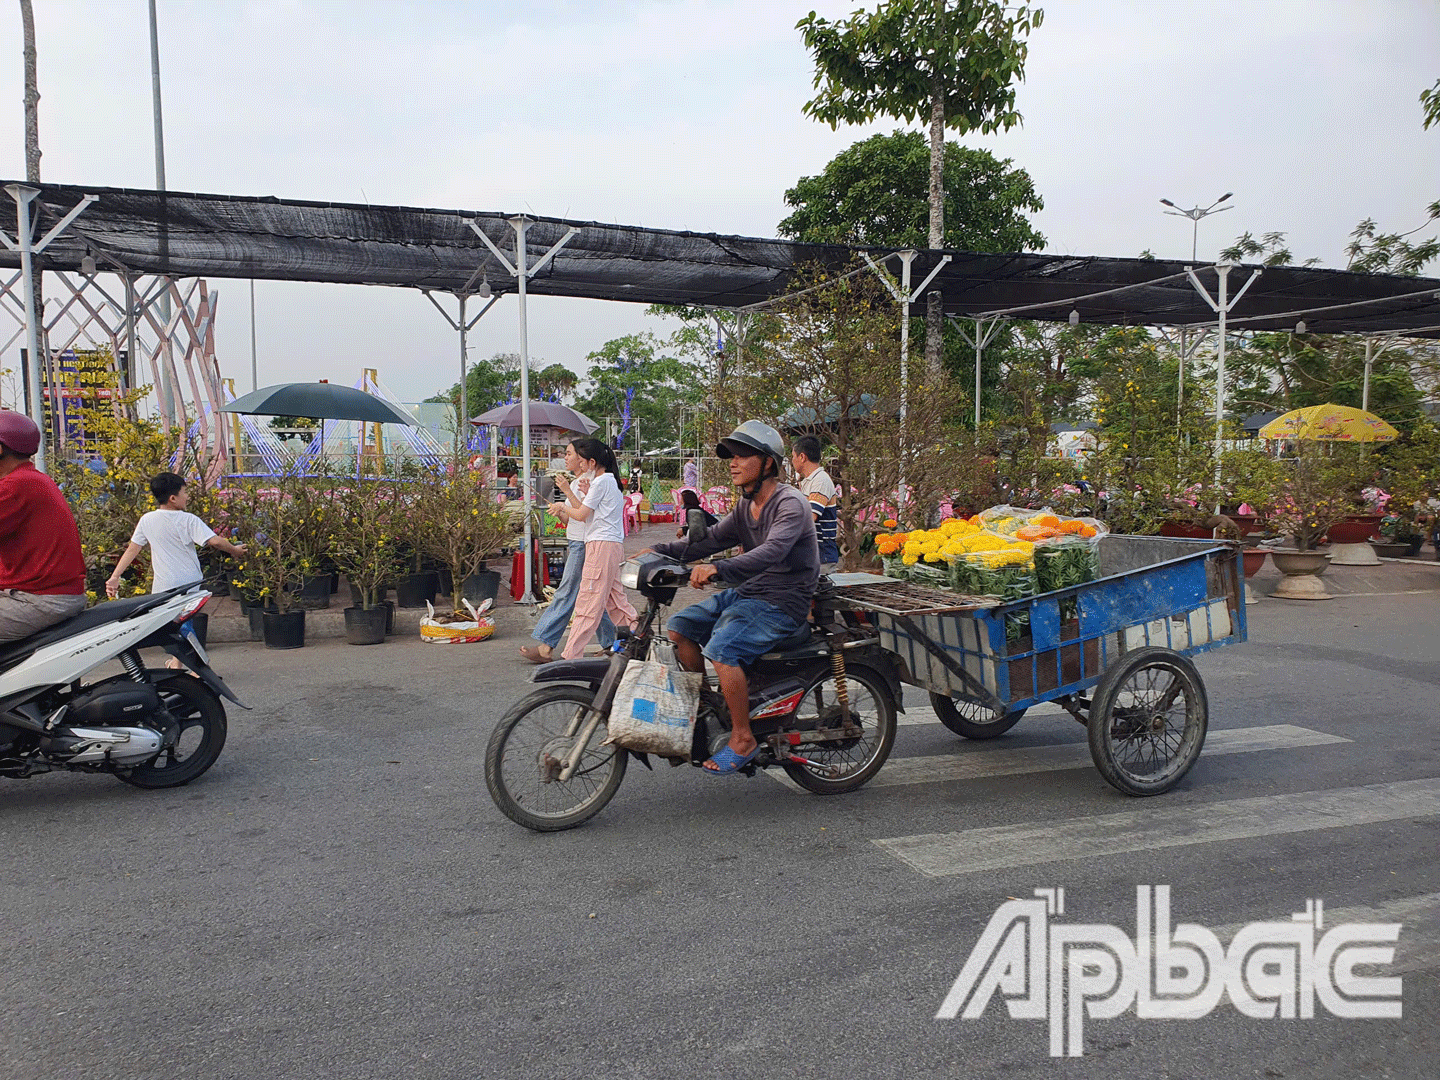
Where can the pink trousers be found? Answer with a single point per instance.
(600, 591)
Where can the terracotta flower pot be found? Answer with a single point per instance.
(1254, 560)
(1302, 570)
(1355, 530)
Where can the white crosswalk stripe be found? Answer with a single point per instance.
(1156, 827)
(976, 764)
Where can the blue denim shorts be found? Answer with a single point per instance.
(733, 629)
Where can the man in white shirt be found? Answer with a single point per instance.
(816, 485)
(172, 535)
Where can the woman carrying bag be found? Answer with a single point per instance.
(602, 510)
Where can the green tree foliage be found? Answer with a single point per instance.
(636, 378)
(1269, 248)
(1371, 251)
(953, 65)
(1283, 371)
(1430, 102)
(832, 369)
(488, 383)
(874, 193)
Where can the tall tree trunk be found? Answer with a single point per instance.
(32, 163)
(32, 97)
(934, 310)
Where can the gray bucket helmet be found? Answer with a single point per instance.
(751, 438)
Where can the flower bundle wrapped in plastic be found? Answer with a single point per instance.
(1007, 573)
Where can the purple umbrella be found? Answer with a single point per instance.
(542, 414)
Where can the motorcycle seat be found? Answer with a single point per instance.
(12, 652)
(797, 646)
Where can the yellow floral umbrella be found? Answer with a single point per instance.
(1330, 423)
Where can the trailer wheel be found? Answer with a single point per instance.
(1148, 721)
(971, 719)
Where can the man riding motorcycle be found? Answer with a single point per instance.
(774, 579)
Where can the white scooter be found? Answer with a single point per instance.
(151, 727)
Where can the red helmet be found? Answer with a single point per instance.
(18, 432)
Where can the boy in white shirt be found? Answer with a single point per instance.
(172, 535)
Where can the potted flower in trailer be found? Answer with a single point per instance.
(364, 548)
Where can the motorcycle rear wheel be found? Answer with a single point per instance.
(858, 759)
(197, 710)
(522, 751)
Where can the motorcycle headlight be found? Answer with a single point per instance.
(630, 575)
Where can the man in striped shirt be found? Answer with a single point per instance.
(816, 485)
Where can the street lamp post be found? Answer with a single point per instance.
(1195, 213)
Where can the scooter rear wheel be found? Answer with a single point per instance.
(524, 754)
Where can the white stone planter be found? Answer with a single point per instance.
(1302, 570)
(1353, 555)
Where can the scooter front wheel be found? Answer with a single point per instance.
(528, 751)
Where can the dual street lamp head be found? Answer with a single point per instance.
(1196, 213)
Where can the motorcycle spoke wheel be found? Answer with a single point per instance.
(201, 717)
(1148, 721)
(524, 757)
(845, 764)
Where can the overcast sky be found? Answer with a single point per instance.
(688, 115)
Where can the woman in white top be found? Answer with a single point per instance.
(602, 509)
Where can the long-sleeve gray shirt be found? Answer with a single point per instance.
(780, 560)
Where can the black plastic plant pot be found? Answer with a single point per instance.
(257, 621)
(365, 626)
(389, 606)
(481, 586)
(314, 592)
(445, 581)
(284, 630)
(414, 590)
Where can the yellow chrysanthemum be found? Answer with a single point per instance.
(910, 560)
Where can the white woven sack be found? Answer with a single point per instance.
(654, 710)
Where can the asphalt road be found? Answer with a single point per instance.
(338, 897)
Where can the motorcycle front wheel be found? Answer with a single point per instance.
(525, 756)
(201, 716)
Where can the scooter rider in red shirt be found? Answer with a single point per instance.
(42, 572)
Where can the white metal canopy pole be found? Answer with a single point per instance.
(523, 274)
(463, 327)
(1222, 308)
(984, 333)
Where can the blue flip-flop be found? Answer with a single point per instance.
(730, 762)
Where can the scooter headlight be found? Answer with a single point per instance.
(630, 575)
